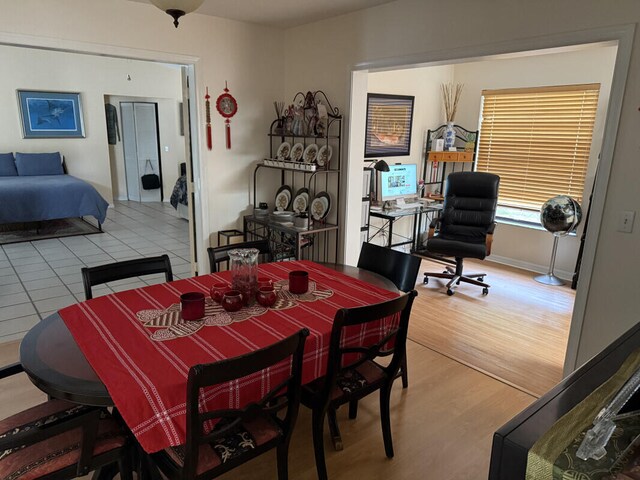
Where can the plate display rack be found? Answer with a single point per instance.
(319, 240)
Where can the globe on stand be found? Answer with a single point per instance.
(559, 215)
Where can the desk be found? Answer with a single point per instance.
(56, 365)
(512, 442)
(391, 216)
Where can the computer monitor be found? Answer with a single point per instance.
(401, 181)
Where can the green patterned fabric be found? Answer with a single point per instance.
(553, 455)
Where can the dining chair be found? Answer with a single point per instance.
(60, 440)
(240, 434)
(218, 255)
(348, 380)
(110, 272)
(401, 268)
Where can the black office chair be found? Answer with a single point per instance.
(401, 268)
(218, 255)
(465, 227)
(111, 272)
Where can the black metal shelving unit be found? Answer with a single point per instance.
(434, 173)
(320, 239)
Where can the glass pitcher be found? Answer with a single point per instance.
(243, 263)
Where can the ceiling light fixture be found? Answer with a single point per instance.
(177, 8)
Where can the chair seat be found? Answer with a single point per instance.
(55, 453)
(350, 380)
(242, 439)
(456, 248)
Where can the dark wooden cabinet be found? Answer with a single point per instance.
(512, 442)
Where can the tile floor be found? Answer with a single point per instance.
(38, 278)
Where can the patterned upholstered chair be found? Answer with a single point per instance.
(60, 440)
(240, 434)
(348, 380)
(399, 267)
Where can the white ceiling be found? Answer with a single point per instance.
(281, 13)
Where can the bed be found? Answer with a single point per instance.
(30, 197)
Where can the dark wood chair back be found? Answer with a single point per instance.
(111, 272)
(401, 268)
(396, 337)
(285, 395)
(219, 255)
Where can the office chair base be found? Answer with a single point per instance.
(455, 278)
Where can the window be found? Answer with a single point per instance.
(538, 140)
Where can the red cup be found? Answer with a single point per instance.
(218, 290)
(298, 281)
(264, 282)
(232, 300)
(266, 296)
(192, 306)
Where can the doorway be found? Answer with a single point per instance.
(141, 145)
(360, 86)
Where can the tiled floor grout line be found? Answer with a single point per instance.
(139, 222)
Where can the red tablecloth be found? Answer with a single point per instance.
(147, 379)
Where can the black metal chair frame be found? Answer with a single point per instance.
(319, 399)
(401, 268)
(285, 395)
(217, 255)
(111, 272)
(89, 422)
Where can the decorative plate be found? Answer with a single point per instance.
(324, 155)
(283, 198)
(301, 200)
(296, 152)
(283, 151)
(310, 153)
(320, 206)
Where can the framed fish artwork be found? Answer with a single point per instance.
(50, 114)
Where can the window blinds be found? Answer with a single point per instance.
(538, 141)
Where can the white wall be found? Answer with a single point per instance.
(518, 245)
(416, 27)
(248, 56)
(170, 138)
(86, 158)
(424, 84)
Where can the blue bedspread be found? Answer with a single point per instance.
(47, 197)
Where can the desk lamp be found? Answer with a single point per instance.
(378, 166)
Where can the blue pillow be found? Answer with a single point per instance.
(7, 165)
(39, 164)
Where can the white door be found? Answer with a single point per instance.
(141, 154)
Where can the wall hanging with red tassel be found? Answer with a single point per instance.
(227, 107)
(207, 109)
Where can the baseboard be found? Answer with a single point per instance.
(533, 267)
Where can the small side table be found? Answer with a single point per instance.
(229, 234)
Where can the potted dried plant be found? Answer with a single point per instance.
(450, 97)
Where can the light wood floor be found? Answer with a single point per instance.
(442, 425)
(518, 333)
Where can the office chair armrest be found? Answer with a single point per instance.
(433, 225)
(489, 239)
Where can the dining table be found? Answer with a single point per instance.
(131, 350)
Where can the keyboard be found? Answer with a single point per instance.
(407, 206)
